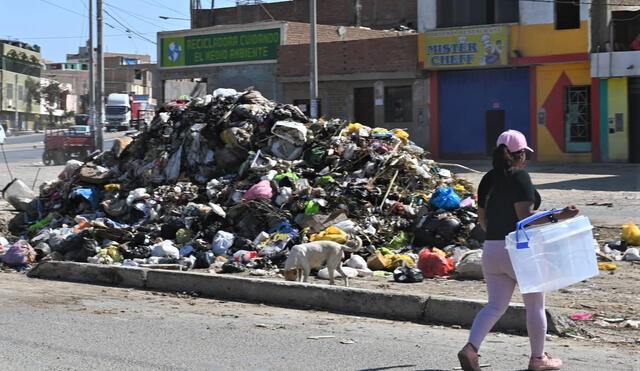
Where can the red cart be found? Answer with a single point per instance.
(62, 145)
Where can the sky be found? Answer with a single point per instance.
(59, 27)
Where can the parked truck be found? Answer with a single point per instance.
(141, 111)
(118, 112)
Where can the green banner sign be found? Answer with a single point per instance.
(217, 48)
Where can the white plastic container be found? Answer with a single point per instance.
(554, 255)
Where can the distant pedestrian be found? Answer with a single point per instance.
(635, 44)
(505, 196)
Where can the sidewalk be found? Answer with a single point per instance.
(589, 186)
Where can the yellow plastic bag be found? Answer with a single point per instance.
(607, 266)
(331, 234)
(115, 254)
(439, 252)
(360, 129)
(380, 131)
(631, 233)
(399, 260)
(403, 135)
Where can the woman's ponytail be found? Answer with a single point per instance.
(502, 161)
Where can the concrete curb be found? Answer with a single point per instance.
(405, 307)
(91, 273)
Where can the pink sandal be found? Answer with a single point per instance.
(546, 362)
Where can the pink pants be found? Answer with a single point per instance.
(501, 280)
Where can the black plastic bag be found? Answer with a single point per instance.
(204, 259)
(233, 267)
(407, 275)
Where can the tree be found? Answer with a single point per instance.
(32, 94)
(51, 94)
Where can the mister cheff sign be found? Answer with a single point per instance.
(464, 47)
(230, 47)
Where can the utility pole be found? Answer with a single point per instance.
(15, 104)
(92, 83)
(100, 95)
(313, 47)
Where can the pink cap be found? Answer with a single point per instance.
(514, 140)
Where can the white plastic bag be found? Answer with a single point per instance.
(165, 249)
(292, 132)
(222, 241)
(348, 226)
(172, 171)
(357, 262)
(632, 254)
(350, 272)
(470, 265)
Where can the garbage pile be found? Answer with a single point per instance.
(233, 180)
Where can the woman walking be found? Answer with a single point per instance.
(505, 196)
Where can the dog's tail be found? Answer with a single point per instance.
(353, 245)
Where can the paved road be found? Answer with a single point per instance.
(24, 154)
(50, 325)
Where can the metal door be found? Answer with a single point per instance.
(363, 106)
(465, 97)
(577, 122)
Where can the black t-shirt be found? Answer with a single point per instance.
(498, 199)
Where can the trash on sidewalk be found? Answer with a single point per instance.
(231, 181)
(18, 194)
(582, 316)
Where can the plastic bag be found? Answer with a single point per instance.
(632, 254)
(260, 190)
(399, 260)
(165, 249)
(445, 199)
(331, 234)
(434, 265)
(398, 242)
(19, 253)
(631, 233)
(407, 275)
(69, 169)
(470, 265)
(350, 272)
(222, 241)
(348, 226)
(172, 171)
(292, 132)
(357, 262)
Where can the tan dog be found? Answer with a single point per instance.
(306, 256)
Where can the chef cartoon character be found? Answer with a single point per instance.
(491, 52)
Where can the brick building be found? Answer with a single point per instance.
(359, 83)
(239, 56)
(376, 14)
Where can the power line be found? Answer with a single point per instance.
(76, 37)
(127, 29)
(135, 46)
(63, 8)
(135, 15)
(160, 5)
